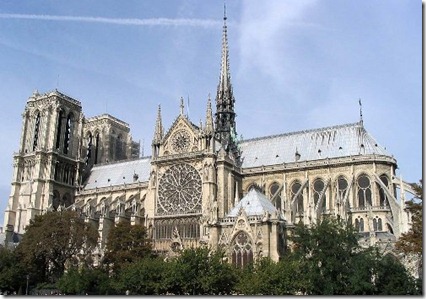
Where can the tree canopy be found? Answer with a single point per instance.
(411, 242)
(126, 243)
(53, 239)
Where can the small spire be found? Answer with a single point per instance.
(360, 111)
(209, 117)
(182, 106)
(158, 133)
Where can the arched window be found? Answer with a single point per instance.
(89, 148)
(242, 251)
(68, 133)
(364, 191)
(66, 200)
(382, 194)
(361, 225)
(36, 131)
(274, 191)
(119, 148)
(96, 148)
(299, 200)
(375, 224)
(379, 225)
(59, 129)
(342, 187)
(318, 190)
(56, 200)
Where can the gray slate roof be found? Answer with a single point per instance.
(331, 142)
(118, 173)
(254, 203)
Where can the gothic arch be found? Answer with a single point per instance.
(36, 131)
(383, 198)
(318, 185)
(363, 191)
(275, 190)
(241, 249)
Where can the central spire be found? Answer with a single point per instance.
(225, 126)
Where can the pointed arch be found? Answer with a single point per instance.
(36, 130)
(241, 250)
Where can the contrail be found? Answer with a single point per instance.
(134, 22)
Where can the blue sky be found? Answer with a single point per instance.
(295, 65)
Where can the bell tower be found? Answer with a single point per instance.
(47, 165)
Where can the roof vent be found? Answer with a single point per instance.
(297, 156)
(340, 147)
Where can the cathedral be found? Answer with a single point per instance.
(202, 184)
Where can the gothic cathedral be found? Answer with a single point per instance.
(203, 185)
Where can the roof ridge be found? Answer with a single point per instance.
(301, 131)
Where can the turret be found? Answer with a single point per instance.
(158, 134)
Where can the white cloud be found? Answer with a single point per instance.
(134, 22)
(263, 29)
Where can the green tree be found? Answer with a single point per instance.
(144, 277)
(200, 271)
(53, 239)
(12, 275)
(91, 281)
(412, 241)
(392, 278)
(126, 243)
(326, 249)
(259, 278)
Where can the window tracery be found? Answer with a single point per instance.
(342, 187)
(364, 191)
(179, 191)
(383, 199)
(242, 250)
(318, 190)
(275, 194)
(36, 131)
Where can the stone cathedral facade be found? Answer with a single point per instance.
(202, 185)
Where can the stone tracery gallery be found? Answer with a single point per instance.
(202, 185)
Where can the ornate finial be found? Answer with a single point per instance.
(158, 133)
(360, 111)
(182, 106)
(209, 118)
(224, 10)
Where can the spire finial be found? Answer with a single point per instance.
(224, 10)
(360, 111)
(209, 118)
(182, 106)
(158, 133)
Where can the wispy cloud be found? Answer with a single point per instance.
(133, 22)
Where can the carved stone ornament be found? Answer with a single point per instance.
(181, 141)
(179, 191)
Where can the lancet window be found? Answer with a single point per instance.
(242, 250)
(318, 192)
(59, 129)
(68, 133)
(382, 194)
(36, 131)
(275, 191)
(299, 200)
(342, 188)
(364, 191)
